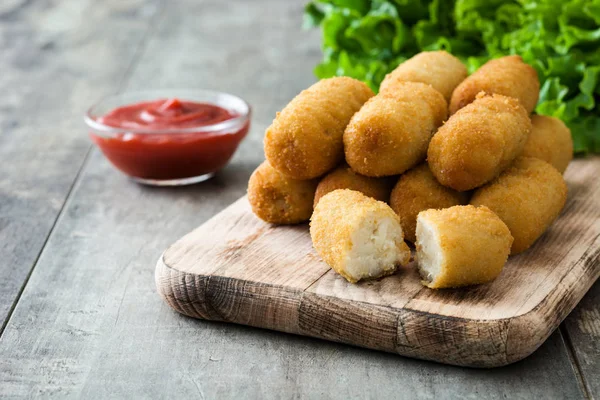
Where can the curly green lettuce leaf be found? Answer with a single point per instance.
(585, 134)
(380, 32)
(366, 39)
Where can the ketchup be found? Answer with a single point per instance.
(173, 154)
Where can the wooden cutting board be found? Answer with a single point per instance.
(236, 268)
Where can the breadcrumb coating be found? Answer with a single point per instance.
(277, 199)
(478, 142)
(305, 139)
(461, 246)
(528, 197)
(344, 178)
(508, 76)
(550, 140)
(391, 132)
(417, 190)
(440, 69)
(357, 236)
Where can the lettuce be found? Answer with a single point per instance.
(366, 39)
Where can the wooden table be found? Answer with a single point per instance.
(79, 313)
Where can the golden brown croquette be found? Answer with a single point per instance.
(277, 199)
(344, 178)
(460, 246)
(440, 69)
(391, 132)
(508, 76)
(550, 140)
(527, 197)
(357, 236)
(305, 139)
(417, 190)
(478, 142)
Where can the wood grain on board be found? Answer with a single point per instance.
(236, 268)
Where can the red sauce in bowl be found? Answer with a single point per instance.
(169, 139)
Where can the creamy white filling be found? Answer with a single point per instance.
(429, 253)
(374, 248)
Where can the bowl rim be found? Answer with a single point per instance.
(90, 118)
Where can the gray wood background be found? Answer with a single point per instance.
(79, 314)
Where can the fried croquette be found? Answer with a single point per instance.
(417, 190)
(508, 76)
(305, 139)
(440, 69)
(550, 140)
(357, 236)
(527, 197)
(461, 246)
(344, 178)
(391, 132)
(478, 142)
(277, 199)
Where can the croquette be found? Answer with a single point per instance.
(461, 246)
(277, 199)
(344, 178)
(357, 236)
(305, 139)
(440, 69)
(550, 140)
(527, 197)
(478, 142)
(508, 76)
(391, 132)
(417, 190)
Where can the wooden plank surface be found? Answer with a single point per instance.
(56, 58)
(90, 324)
(236, 268)
(582, 331)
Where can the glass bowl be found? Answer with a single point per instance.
(170, 156)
